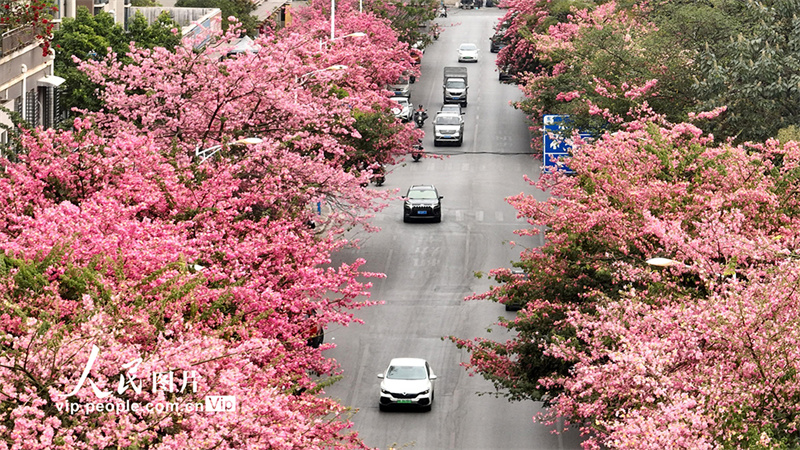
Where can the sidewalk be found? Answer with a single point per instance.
(321, 223)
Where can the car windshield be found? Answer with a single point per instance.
(468, 47)
(401, 81)
(447, 119)
(406, 373)
(428, 194)
(455, 84)
(402, 101)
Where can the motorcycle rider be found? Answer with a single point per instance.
(379, 175)
(417, 150)
(419, 116)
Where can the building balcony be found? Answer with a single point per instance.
(16, 38)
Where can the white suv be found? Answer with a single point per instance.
(407, 381)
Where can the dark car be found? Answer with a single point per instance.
(505, 76)
(422, 201)
(518, 302)
(498, 43)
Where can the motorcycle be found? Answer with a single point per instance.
(379, 177)
(443, 11)
(419, 117)
(417, 152)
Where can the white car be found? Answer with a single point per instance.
(467, 53)
(453, 108)
(407, 381)
(404, 109)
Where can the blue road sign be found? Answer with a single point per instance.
(557, 142)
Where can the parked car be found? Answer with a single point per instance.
(448, 127)
(498, 43)
(404, 109)
(422, 201)
(402, 88)
(519, 301)
(467, 53)
(505, 76)
(407, 381)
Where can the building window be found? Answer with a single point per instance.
(32, 109)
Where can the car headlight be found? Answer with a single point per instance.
(425, 392)
(384, 391)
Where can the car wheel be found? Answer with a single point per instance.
(460, 141)
(428, 408)
(435, 143)
(464, 104)
(438, 218)
(405, 219)
(381, 407)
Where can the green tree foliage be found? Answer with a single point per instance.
(592, 60)
(240, 9)
(790, 133)
(85, 36)
(89, 36)
(408, 19)
(755, 73)
(378, 130)
(158, 34)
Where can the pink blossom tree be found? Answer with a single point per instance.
(149, 256)
(700, 354)
(119, 244)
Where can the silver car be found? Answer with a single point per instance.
(453, 108)
(448, 127)
(407, 381)
(401, 88)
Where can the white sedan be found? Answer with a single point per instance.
(407, 381)
(467, 53)
(404, 109)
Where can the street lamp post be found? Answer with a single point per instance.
(300, 80)
(356, 34)
(333, 17)
(667, 262)
(663, 262)
(205, 153)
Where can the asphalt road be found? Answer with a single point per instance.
(430, 268)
